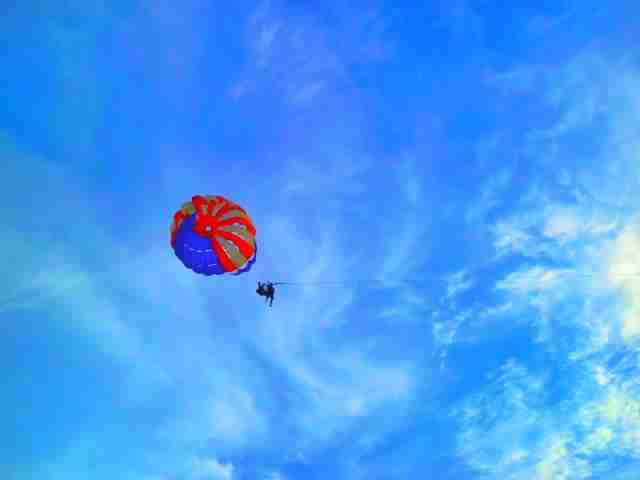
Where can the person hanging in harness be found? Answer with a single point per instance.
(266, 290)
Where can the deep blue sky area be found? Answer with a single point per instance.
(450, 187)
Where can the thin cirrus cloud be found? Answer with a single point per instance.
(211, 469)
(581, 271)
(290, 53)
(335, 386)
(354, 380)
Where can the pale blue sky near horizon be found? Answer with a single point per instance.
(467, 170)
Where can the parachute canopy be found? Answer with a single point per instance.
(212, 235)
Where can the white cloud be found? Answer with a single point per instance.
(340, 175)
(335, 382)
(575, 218)
(458, 283)
(535, 279)
(211, 469)
(275, 476)
(406, 236)
(542, 446)
(518, 80)
(509, 406)
(62, 281)
(497, 310)
(624, 272)
(294, 55)
(362, 386)
(233, 416)
(598, 440)
(306, 94)
(512, 237)
(556, 462)
(563, 224)
(223, 413)
(445, 331)
(491, 192)
(600, 419)
(290, 55)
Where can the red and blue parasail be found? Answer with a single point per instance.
(212, 235)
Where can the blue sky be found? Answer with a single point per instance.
(469, 171)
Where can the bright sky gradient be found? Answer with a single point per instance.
(481, 158)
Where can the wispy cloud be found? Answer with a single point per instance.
(406, 235)
(578, 251)
(624, 272)
(288, 54)
(62, 275)
(490, 196)
(292, 53)
(458, 283)
(329, 379)
(211, 469)
(542, 446)
(509, 405)
(344, 378)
